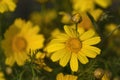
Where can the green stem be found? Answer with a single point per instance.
(113, 31)
(20, 76)
(33, 73)
(87, 70)
(76, 27)
(107, 37)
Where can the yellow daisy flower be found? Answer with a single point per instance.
(60, 76)
(7, 5)
(74, 46)
(19, 39)
(2, 76)
(81, 4)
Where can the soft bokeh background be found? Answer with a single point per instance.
(51, 16)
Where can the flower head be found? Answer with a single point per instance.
(74, 46)
(60, 76)
(19, 39)
(7, 5)
(81, 4)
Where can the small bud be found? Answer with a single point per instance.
(98, 73)
(8, 70)
(77, 18)
(107, 75)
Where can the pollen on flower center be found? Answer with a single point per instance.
(73, 44)
(19, 44)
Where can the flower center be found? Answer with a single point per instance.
(19, 44)
(74, 45)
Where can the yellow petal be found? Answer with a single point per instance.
(88, 34)
(96, 13)
(71, 77)
(62, 36)
(69, 31)
(67, 77)
(82, 58)
(33, 31)
(60, 76)
(54, 47)
(20, 58)
(11, 5)
(10, 60)
(35, 42)
(74, 62)
(92, 48)
(59, 38)
(58, 54)
(80, 30)
(12, 31)
(92, 41)
(65, 59)
(89, 53)
(24, 29)
(103, 3)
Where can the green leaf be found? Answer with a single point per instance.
(94, 22)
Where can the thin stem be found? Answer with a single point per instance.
(109, 35)
(113, 31)
(20, 76)
(33, 73)
(76, 27)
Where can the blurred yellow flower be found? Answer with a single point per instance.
(110, 27)
(66, 17)
(41, 17)
(87, 5)
(7, 5)
(19, 39)
(80, 5)
(60, 76)
(96, 13)
(2, 76)
(74, 46)
(36, 18)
